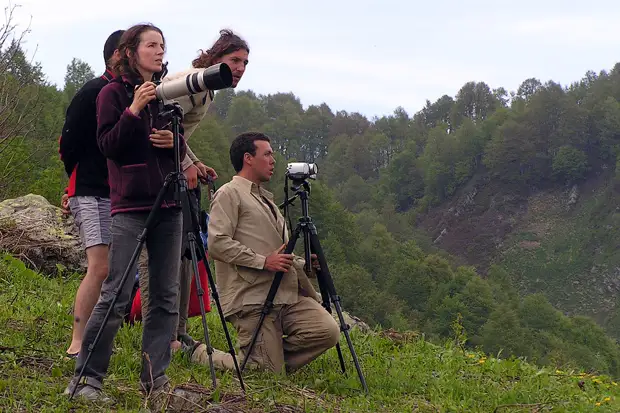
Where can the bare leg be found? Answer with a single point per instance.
(88, 292)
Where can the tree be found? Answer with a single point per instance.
(245, 113)
(20, 106)
(78, 73)
(570, 164)
(528, 88)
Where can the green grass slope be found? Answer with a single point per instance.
(404, 372)
(570, 252)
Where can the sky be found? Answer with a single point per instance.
(355, 55)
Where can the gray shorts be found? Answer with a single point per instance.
(92, 217)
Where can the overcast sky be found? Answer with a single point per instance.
(355, 55)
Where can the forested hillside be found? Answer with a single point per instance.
(394, 192)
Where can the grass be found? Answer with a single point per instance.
(404, 372)
(575, 256)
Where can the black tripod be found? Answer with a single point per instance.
(191, 226)
(324, 278)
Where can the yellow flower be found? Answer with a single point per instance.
(614, 383)
(481, 361)
(471, 356)
(598, 403)
(559, 372)
(607, 399)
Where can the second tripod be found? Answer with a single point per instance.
(324, 278)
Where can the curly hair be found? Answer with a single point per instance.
(226, 44)
(128, 65)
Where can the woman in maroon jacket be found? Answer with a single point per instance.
(138, 146)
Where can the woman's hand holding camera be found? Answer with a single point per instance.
(142, 96)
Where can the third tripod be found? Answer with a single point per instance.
(326, 284)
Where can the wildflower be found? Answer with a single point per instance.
(607, 399)
(598, 404)
(481, 361)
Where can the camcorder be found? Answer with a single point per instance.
(300, 171)
(216, 77)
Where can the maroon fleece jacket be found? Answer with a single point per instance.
(136, 169)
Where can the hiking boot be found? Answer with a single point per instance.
(187, 340)
(159, 398)
(221, 360)
(87, 392)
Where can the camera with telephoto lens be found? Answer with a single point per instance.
(216, 77)
(300, 171)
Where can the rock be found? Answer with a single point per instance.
(352, 321)
(573, 195)
(441, 235)
(38, 233)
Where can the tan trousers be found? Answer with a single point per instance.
(291, 335)
(185, 281)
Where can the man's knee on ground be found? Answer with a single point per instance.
(325, 334)
(331, 332)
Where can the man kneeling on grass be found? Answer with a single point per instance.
(246, 237)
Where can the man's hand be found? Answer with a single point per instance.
(205, 172)
(191, 174)
(278, 261)
(162, 139)
(64, 204)
(315, 262)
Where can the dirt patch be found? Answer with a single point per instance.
(529, 245)
(477, 221)
(196, 398)
(43, 365)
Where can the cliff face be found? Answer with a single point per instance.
(559, 241)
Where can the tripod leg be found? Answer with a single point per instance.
(188, 224)
(200, 292)
(324, 277)
(216, 298)
(270, 296)
(328, 307)
(141, 239)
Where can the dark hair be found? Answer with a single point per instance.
(111, 44)
(127, 65)
(243, 144)
(227, 43)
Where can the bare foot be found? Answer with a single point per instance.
(74, 348)
(175, 345)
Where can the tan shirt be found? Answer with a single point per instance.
(193, 113)
(243, 231)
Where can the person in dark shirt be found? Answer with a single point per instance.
(88, 192)
(138, 145)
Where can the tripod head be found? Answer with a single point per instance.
(170, 108)
(298, 187)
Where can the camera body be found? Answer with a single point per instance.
(300, 171)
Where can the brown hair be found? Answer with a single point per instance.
(226, 44)
(128, 65)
